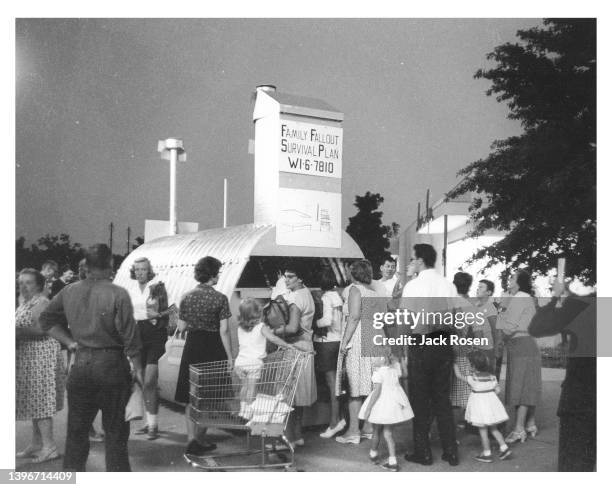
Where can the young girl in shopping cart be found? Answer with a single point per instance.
(252, 336)
(386, 406)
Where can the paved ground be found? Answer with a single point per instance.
(166, 453)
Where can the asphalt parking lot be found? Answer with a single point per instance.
(166, 453)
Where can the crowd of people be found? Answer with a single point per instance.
(115, 337)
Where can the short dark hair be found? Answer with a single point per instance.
(426, 252)
(523, 281)
(480, 361)
(489, 284)
(150, 274)
(361, 270)
(51, 263)
(38, 277)
(328, 280)
(463, 282)
(388, 258)
(296, 268)
(207, 268)
(65, 268)
(98, 256)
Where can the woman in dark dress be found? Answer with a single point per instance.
(203, 313)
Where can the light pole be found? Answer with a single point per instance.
(172, 149)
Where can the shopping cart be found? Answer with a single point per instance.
(218, 398)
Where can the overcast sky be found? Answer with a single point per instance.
(95, 96)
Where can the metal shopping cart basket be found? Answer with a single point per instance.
(255, 399)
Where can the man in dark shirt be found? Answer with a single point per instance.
(577, 406)
(102, 335)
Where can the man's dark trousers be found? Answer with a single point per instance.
(429, 375)
(99, 380)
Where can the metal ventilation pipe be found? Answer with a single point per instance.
(270, 89)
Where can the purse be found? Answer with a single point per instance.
(134, 409)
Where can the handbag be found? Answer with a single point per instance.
(276, 314)
(134, 409)
(169, 364)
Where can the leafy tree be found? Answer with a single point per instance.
(49, 247)
(540, 187)
(138, 241)
(367, 229)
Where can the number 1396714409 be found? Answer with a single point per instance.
(41, 476)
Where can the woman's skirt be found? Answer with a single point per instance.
(326, 358)
(357, 368)
(200, 346)
(306, 389)
(460, 390)
(524, 372)
(40, 379)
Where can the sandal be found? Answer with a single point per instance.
(532, 431)
(516, 436)
(348, 439)
(48, 455)
(28, 452)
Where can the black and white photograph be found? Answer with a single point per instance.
(280, 244)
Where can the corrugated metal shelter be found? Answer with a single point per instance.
(174, 257)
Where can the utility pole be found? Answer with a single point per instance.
(129, 230)
(224, 203)
(110, 238)
(172, 150)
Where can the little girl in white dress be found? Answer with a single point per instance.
(484, 409)
(385, 406)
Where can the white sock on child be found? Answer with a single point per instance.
(151, 420)
(392, 460)
(373, 453)
(503, 448)
(486, 453)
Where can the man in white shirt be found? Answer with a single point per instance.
(389, 279)
(430, 366)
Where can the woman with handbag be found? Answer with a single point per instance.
(299, 332)
(150, 302)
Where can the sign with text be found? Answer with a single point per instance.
(310, 149)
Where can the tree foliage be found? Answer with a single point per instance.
(49, 247)
(367, 228)
(540, 187)
(58, 248)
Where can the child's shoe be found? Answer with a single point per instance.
(390, 467)
(484, 458)
(505, 453)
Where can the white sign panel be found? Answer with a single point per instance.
(310, 149)
(309, 218)
(156, 228)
